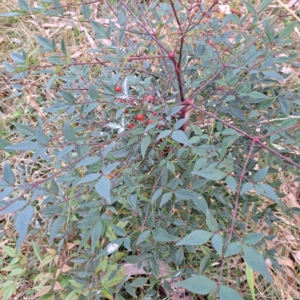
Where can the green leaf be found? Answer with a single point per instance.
(41, 136)
(198, 284)
(24, 129)
(143, 236)
(257, 95)
(23, 146)
(180, 137)
(260, 175)
(204, 264)
(211, 174)
(55, 228)
(227, 293)
(248, 186)
(88, 178)
(266, 190)
(103, 187)
(257, 262)
(263, 5)
(161, 235)
(253, 238)
(12, 14)
(285, 106)
(145, 144)
(95, 235)
(102, 33)
(22, 223)
(139, 282)
(165, 198)
(233, 248)
(156, 195)
(197, 237)
(45, 43)
(88, 161)
(119, 230)
(272, 74)
(93, 92)
(217, 242)
(163, 134)
(231, 183)
(69, 132)
(86, 11)
(8, 175)
(15, 206)
(179, 123)
(250, 7)
(23, 5)
(211, 223)
(287, 30)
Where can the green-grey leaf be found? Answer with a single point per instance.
(197, 237)
(99, 29)
(198, 284)
(260, 175)
(15, 206)
(95, 235)
(253, 238)
(88, 161)
(69, 132)
(163, 134)
(217, 242)
(103, 187)
(23, 146)
(227, 293)
(8, 174)
(161, 235)
(233, 248)
(211, 174)
(23, 5)
(138, 282)
(55, 228)
(145, 144)
(257, 262)
(22, 223)
(180, 137)
(143, 236)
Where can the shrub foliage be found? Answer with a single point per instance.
(156, 149)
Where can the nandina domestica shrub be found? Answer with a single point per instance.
(154, 151)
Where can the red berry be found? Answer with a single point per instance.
(140, 117)
(130, 125)
(149, 98)
(171, 55)
(187, 102)
(118, 89)
(150, 121)
(126, 111)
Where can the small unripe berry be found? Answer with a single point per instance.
(118, 89)
(126, 111)
(130, 125)
(140, 117)
(150, 121)
(179, 32)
